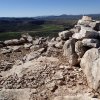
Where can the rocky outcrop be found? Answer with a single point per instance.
(90, 63)
(87, 21)
(12, 42)
(65, 35)
(83, 49)
(86, 32)
(92, 43)
(80, 49)
(26, 38)
(69, 52)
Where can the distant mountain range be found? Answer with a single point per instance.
(52, 17)
(69, 17)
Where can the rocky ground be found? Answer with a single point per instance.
(63, 68)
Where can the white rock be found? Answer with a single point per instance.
(31, 56)
(80, 49)
(86, 32)
(69, 52)
(14, 48)
(90, 64)
(65, 34)
(95, 25)
(27, 46)
(86, 18)
(22, 40)
(95, 43)
(87, 21)
(59, 45)
(34, 47)
(4, 51)
(27, 37)
(11, 42)
(51, 44)
(58, 39)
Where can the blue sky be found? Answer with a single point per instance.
(31, 8)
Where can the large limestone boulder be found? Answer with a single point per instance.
(90, 63)
(11, 42)
(94, 43)
(76, 29)
(64, 35)
(95, 25)
(69, 52)
(80, 49)
(86, 32)
(27, 37)
(86, 20)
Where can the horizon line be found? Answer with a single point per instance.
(47, 15)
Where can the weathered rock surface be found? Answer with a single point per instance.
(87, 21)
(59, 45)
(6, 50)
(69, 52)
(27, 46)
(90, 64)
(12, 42)
(33, 55)
(80, 49)
(86, 32)
(65, 35)
(27, 37)
(92, 43)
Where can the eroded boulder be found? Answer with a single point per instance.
(64, 35)
(12, 42)
(69, 52)
(92, 43)
(86, 20)
(86, 32)
(80, 49)
(90, 63)
(27, 37)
